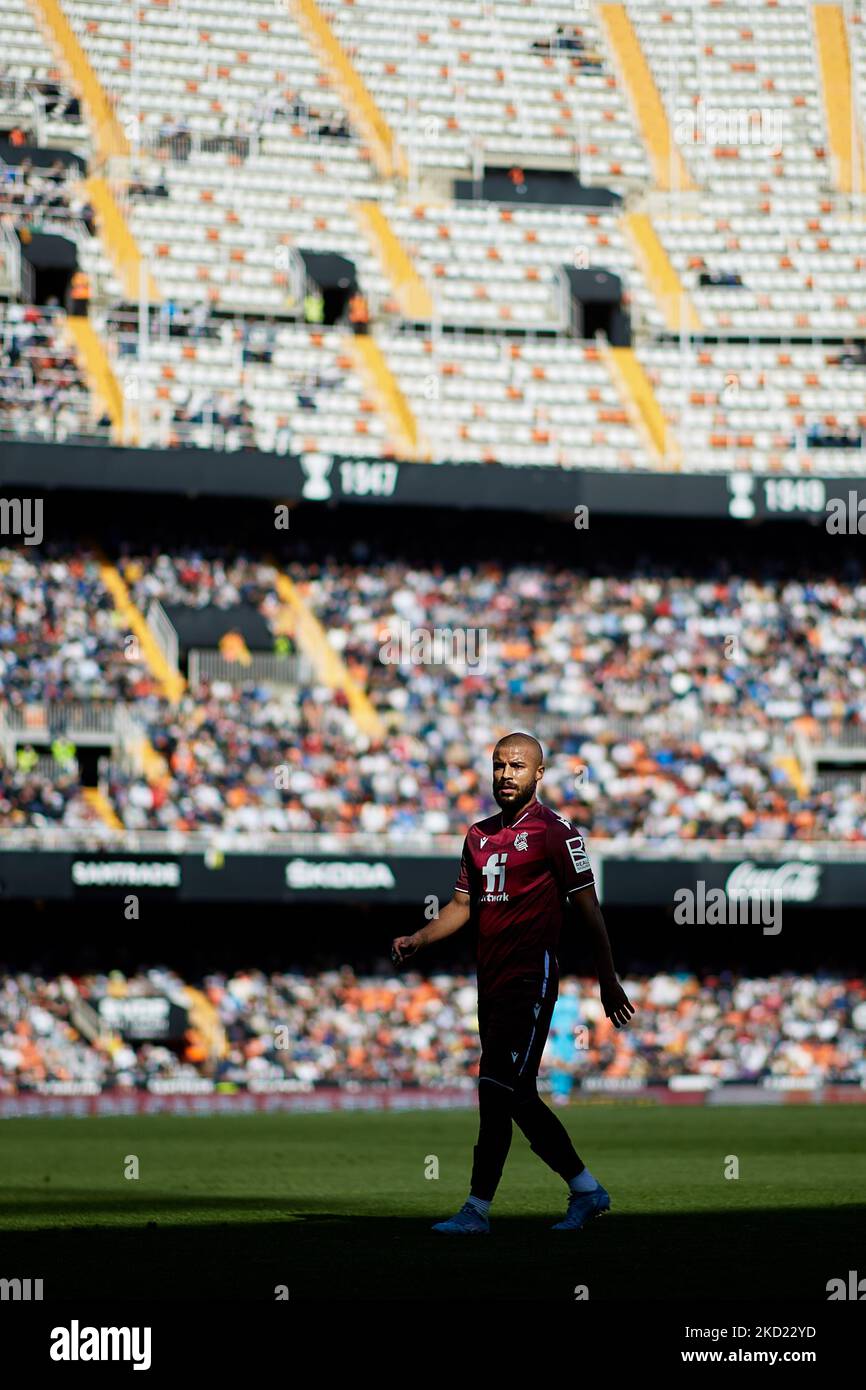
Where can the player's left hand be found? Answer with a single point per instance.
(402, 947)
(615, 1002)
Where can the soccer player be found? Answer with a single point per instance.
(520, 871)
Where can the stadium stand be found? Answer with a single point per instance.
(33, 95)
(522, 83)
(252, 135)
(378, 380)
(43, 391)
(344, 1029)
(258, 132)
(628, 675)
(770, 409)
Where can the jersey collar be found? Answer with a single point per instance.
(514, 824)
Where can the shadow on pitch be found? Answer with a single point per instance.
(173, 1248)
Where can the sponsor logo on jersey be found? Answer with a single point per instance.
(577, 850)
(484, 839)
(494, 875)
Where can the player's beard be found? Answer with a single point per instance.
(515, 806)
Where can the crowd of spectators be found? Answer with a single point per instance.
(245, 758)
(34, 93)
(200, 580)
(43, 393)
(333, 1028)
(43, 196)
(61, 638)
(661, 696)
(41, 801)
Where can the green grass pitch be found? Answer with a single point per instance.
(339, 1207)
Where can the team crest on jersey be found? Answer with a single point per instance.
(521, 840)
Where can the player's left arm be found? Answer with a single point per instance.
(573, 872)
(584, 903)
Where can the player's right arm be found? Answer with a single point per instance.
(453, 916)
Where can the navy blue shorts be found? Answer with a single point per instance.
(513, 1025)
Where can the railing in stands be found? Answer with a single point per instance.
(266, 668)
(96, 837)
(85, 1018)
(10, 260)
(79, 720)
(643, 727)
(48, 767)
(165, 632)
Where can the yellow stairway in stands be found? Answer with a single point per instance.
(119, 242)
(171, 681)
(107, 131)
(103, 807)
(790, 765)
(152, 764)
(93, 360)
(205, 1019)
(846, 141)
(371, 366)
(643, 406)
(679, 312)
(329, 666)
(387, 155)
(410, 291)
(647, 105)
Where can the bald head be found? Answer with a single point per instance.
(518, 767)
(526, 743)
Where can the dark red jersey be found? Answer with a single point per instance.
(518, 877)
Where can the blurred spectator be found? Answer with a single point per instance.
(314, 307)
(339, 1028)
(359, 313)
